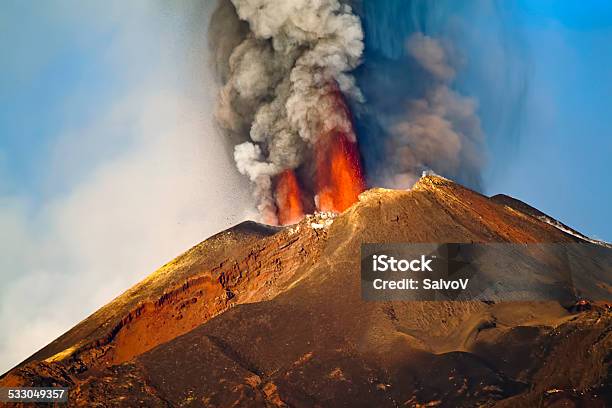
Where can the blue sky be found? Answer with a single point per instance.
(541, 74)
(109, 161)
(560, 162)
(106, 139)
(56, 74)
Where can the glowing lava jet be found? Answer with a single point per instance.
(338, 171)
(336, 168)
(288, 198)
(339, 178)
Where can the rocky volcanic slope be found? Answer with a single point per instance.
(262, 316)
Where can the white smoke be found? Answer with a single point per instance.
(440, 130)
(281, 79)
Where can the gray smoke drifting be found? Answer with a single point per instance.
(440, 130)
(280, 73)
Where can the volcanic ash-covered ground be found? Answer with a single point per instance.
(273, 316)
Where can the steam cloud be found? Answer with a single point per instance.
(280, 79)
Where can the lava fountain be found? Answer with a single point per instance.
(335, 167)
(288, 198)
(339, 175)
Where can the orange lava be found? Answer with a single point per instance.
(339, 175)
(288, 198)
(335, 166)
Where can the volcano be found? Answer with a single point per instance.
(273, 316)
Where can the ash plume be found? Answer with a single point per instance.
(280, 72)
(421, 59)
(299, 75)
(440, 130)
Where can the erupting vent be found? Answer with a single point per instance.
(288, 198)
(286, 77)
(333, 179)
(339, 176)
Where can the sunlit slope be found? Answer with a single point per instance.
(257, 316)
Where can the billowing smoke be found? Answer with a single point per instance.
(439, 130)
(281, 81)
(290, 70)
(421, 59)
